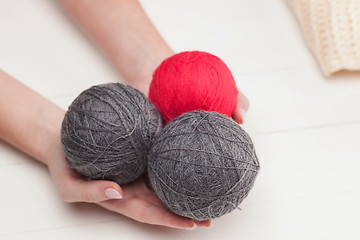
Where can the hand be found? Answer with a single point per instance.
(241, 107)
(142, 204)
(135, 200)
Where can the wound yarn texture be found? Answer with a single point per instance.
(190, 81)
(107, 132)
(202, 165)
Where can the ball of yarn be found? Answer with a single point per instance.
(202, 165)
(107, 132)
(190, 81)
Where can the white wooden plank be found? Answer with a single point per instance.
(307, 187)
(250, 36)
(42, 48)
(30, 203)
(306, 128)
(299, 98)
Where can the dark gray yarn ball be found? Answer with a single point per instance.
(107, 132)
(202, 165)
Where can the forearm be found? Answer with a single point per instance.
(27, 120)
(122, 30)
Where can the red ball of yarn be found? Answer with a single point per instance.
(191, 81)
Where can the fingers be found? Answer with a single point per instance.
(73, 188)
(242, 105)
(78, 190)
(205, 223)
(145, 212)
(174, 221)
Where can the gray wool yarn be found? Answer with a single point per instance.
(107, 132)
(202, 165)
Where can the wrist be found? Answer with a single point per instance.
(51, 147)
(142, 83)
(142, 74)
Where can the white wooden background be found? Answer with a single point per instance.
(306, 127)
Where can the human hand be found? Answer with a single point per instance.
(134, 200)
(241, 107)
(141, 204)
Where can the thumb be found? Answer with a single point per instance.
(241, 107)
(91, 191)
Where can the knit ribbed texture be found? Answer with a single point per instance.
(332, 31)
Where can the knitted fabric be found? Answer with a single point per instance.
(332, 31)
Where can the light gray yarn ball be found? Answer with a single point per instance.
(107, 132)
(202, 165)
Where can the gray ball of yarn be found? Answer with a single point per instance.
(202, 165)
(107, 132)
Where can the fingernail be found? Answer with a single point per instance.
(112, 193)
(243, 115)
(193, 227)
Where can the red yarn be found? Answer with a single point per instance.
(190, 81)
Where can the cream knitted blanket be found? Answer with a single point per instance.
(332, 32)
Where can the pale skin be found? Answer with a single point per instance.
(121, 29)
